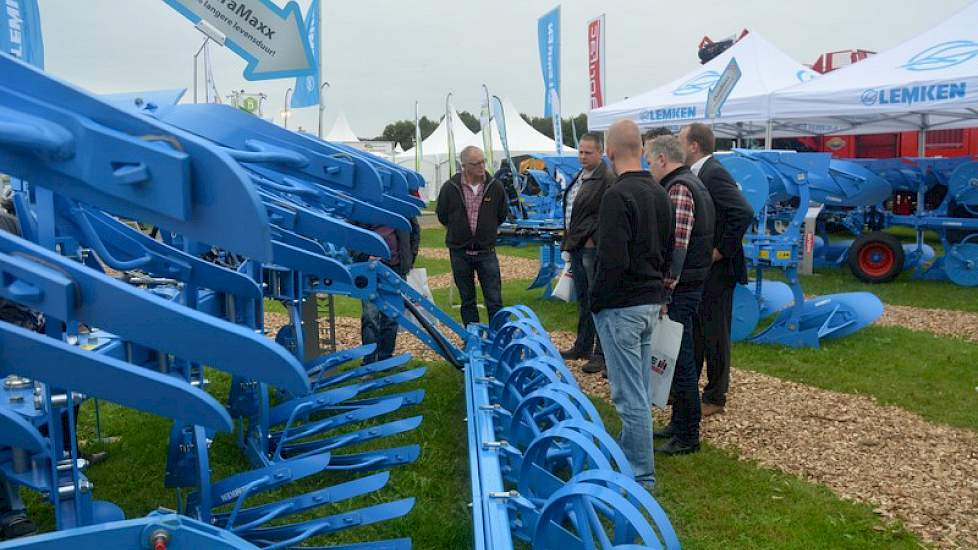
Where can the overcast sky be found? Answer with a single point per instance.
(382, 55)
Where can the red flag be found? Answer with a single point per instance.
(595, 60)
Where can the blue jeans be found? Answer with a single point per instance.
(685, 386)
(582, 266)
(626, 334)
(377, 328)
(464, 269)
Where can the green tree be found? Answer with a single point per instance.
(471, 121)
(402, 131)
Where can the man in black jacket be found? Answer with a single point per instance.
(634, 233)
(471, 205)
(375, 327)
(692, 247)
(582, 199)
(733, 216)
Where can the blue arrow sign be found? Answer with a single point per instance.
(721, 90)
(271, 39)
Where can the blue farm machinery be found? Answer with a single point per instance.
(149, 235)
(779, 185)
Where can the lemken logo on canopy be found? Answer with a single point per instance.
(911, 95)
(943, 55)
(699, 83)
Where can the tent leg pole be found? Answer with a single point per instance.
(769, 135)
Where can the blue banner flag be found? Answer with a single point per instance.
(548, 33)
(307, 87)
(20, 31)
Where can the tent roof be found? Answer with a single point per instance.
(436, 144)
(523, 138)
(934, 75)
(764, 69)
(341, 131)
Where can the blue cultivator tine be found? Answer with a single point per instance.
(243, 519)
(353, 438)
(394, 544)
(369, 369)
(296, 433)
(286, 535)
(62, 365)
(84, 148)
(137, 316)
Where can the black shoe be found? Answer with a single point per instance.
(675, 447)
(595, 365)
(669, 431)
(94, 458)
(573, 354)
(15, 525)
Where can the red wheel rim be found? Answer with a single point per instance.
(876, 259)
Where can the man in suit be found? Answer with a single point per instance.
(471, 206)
(634, 235)
(582, 199)
(733, 216)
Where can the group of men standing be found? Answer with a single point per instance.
(642, 244)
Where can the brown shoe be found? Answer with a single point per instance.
(709, 409)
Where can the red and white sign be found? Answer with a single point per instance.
(595, 60)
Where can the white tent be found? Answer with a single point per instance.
(522, 138)
(341, 131)
(764, 69)
(434, 150)
(930, 81)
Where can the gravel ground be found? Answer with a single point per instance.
(940, 322)
(510, 267)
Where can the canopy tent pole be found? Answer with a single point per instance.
(769, 134)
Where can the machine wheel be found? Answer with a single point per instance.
(876, 257)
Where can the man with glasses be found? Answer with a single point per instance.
(471, 205)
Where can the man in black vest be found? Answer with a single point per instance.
(692, 248)
(471, 205)
(634, 232)
(581, 202)
(733, 216)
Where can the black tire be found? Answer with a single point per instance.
(876, 257)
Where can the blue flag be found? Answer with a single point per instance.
(306, 92)
(20, 31)
(548, 33)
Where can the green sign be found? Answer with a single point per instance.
(250, 104)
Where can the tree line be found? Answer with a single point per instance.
(402, 131)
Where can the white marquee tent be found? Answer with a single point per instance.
(341, 131)
(523, 139)
(928, 82)
(764, 69)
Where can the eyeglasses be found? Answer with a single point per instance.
(476, 163)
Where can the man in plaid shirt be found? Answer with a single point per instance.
(691, 258)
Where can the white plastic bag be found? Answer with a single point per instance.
(666, 340)
(417, 279)
(564, 289)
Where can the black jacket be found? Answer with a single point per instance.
(584, 215)
(693, 264)
(451, 214)
(734, 216)
(634, 233)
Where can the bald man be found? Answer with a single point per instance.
(634, 235)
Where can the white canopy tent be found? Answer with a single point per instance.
(928, 82)
(341, 131)
(522, 138)
(764, 69)
(434, 150)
